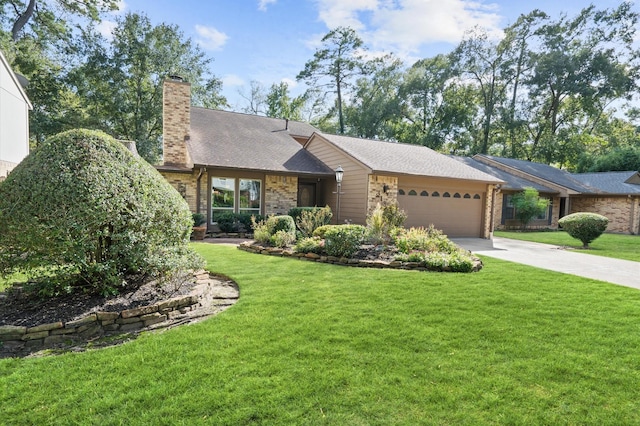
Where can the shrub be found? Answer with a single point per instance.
(528, 205)
(424, 239)
(312, 218)
(281, 223)
(585, 227)
(198, 219)
(383, 221)
(310, 245)
(82, 206)
(282, 238)
(457, 261)
(260, 230)
(394, 216)
(343, 240)
(322, 230)
(235, 222)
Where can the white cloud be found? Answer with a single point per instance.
(210, 38)
(232, 80)
(262, 4)
(404, 26)
(290, 82)
(105, 28)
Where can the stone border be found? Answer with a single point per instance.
(209, 295)
(254, 247)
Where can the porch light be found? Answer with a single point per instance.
(339, 174)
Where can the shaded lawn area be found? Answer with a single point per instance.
(618, 246)
(311, 343)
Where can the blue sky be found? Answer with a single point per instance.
(270, 40)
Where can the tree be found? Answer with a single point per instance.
(255, 98)
(528, 205)
(281, 105)
(334, 65)
(583, 226)
(120, 82)
(98, 217)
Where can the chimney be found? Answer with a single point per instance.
(176, 121)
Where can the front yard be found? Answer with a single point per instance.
(311, 343)
(618, 246)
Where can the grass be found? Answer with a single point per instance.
(618, 246)
(6, 282)
(319, 344)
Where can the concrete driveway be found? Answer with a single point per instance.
(554, 258)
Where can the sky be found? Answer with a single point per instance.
(269, 41)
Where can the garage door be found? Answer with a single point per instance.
(457, 213)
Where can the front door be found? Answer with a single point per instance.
(306, 195)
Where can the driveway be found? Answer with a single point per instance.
(554, 258)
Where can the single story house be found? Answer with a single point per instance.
(14, 119)
(230, 162)
(615, 195)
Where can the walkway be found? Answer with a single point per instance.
(545, 256)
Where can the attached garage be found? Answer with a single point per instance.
(455, 208)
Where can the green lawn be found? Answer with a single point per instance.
(315, 344)
(609, 245)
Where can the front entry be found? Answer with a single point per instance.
(306, 195)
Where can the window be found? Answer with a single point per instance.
(435, 194)
(509, 210)
(424, 194)
(413, 192)
(456, 195)
(249, 196)
(467, 196)
(400, 191)
(446, 194)
(476, 197)
(231, 195)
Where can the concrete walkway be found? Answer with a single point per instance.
(554, 258)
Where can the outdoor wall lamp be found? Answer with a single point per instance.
(385, 188)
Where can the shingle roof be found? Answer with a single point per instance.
(243, 141)
(544, 171)
(511, 182)
(610, 182)
(398, 158)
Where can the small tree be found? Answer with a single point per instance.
(528, 205)
(84, 211)
(585, 227)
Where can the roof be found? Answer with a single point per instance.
(398, 158)
(511, 182)
(242, 141)
(611, 182)
(543, 171)
(16, 80)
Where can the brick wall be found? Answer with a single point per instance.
(5, 168)
(280, 194)
(622, 212)
(176, 121)
(185, 184)
(376, 192)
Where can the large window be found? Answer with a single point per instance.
(223, 198)
(509, 211)
(231, 195)
(249, 196)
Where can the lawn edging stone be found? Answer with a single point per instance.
(210, 295)
(253, 247)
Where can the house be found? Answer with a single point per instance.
(615, 195)
(230, 162)
(14, 119)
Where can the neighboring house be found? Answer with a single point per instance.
(229, 162)
(14, 119)
(615, 195)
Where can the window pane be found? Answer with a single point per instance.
(222, 196)
(249, 201)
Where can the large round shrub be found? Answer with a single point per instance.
(585, 227)
(83, 207)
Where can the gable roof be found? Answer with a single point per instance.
(611, 182)
(242, 141)
(511, 182)
(15, 79)
(405, 159)
(543, 171)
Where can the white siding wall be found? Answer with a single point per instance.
(14, 122)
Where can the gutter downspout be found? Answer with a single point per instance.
(202, 170)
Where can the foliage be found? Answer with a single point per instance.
(235, 222)
(198, 219)
(583, 226)
(311, 218)
(280, 104)
(620, 159)
(322, 230)
(528, 205)
(83, 206)
(343, 240)
(120, 80)
(457, 261)
(282, 238)
(382, 221)
(310, 245)
(281, 223)
(260, 230)
(424, 239)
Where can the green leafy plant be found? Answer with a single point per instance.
(383, 221)
(310, 219)
(282, 239)
(260, 230)
(528, 205)
(344, 240)
(198, 219)
(82, 206)
(322, 230)
(583, 226)
(423, 239)
(310, 245)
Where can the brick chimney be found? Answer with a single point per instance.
(176, 121)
